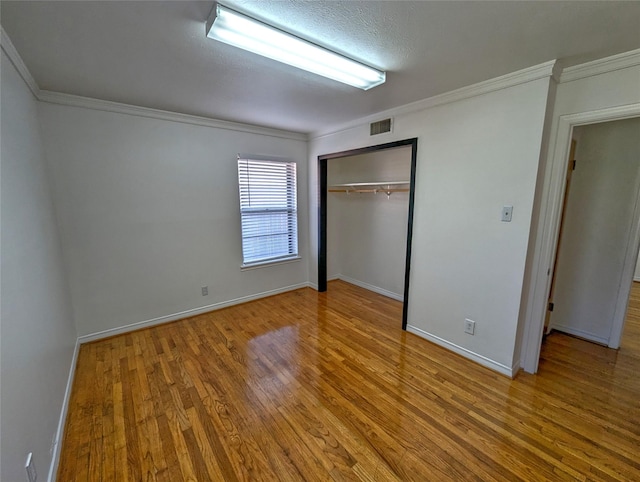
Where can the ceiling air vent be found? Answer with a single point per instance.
(380, 127)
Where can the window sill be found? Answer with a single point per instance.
(265, 264)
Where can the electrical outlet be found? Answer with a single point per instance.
(205, 290)
(30, 467)
(469, 326)
(507, 212)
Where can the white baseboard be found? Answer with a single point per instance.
(515, 368)
(55, 453)
(315, 285)
(185, 314)
(480, 359)
(581, 334)
(636, 278)
(367, 286)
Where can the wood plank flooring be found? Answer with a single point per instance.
(326, 386)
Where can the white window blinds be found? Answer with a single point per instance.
(268, 209)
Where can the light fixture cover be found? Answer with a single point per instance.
(239, 30)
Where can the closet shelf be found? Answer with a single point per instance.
(386, 187)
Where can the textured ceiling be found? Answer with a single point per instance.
(155, 54)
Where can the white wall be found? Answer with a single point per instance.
(474, 156)
(149, 214)
(597, 228)
(591, 91)
(38, 335)
(367, 233)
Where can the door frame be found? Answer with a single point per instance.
(548, 231)
(322, 211)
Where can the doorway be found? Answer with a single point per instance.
(596, 254)
(550, 211)
(323, 209)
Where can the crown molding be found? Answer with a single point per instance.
(547, 69)
(16, 60)
(601, 66)
(103, 105)
(127, 109)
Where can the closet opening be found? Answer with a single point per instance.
(363, 175)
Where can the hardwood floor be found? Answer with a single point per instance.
(631, 334)
(326, 386)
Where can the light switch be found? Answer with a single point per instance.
(507, 211)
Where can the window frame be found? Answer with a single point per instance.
(291, 194)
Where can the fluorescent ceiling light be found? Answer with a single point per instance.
(239, 30)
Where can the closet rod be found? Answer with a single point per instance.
(368, 190)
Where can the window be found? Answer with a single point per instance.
(268, 210)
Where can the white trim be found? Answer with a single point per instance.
(515, 369)
(329, 278)
(186, 314)
(260, 157)
(547, 69)
(473, 356)
(580, 333)
(117, 107)
(367, 286)
(621, 112)
(601, 66)
(16, 60)
(271, 262)
(55, 454)
(550, 211)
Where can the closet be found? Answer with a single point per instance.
(367, 218)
